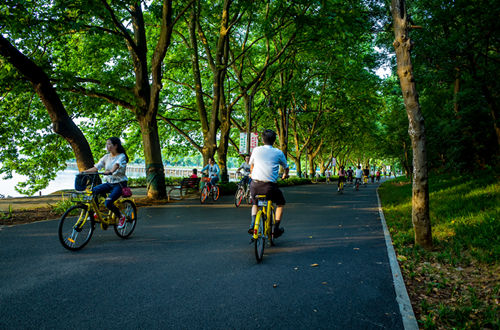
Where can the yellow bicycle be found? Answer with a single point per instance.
(78, 222)
(264, 226)
(341, 186)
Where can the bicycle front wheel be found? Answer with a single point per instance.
(129, 210)
(238, 197)
(203, 195)
(76, 227)
(260, 240)
(215, 193)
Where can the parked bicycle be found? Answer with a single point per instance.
(77, 224)
(243, 191)
(264, 226)
(208, 190)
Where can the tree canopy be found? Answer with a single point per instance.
(179, 79)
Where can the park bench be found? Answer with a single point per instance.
(184, 186)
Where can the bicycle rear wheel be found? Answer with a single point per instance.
(129, 210)
(260, 241)
(203, 194)
(238, 197)
(76, 227)
(215, 193)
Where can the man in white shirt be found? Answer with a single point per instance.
(264, 167)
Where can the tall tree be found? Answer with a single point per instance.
(416, 130)
(62, 124)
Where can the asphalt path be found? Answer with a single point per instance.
(190, 266)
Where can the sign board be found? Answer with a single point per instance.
(254, 141)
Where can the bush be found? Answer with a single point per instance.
(136, 182)
(142, 182)
(293, 181)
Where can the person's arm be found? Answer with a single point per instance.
(93, 169)
(113, 169)
(285, 166)
(285, 173)
(100, 164)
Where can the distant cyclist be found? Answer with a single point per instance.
(213, 171)
(245, 168)
(342, 176)
(359, 175)
(366, 174)
(264, 167)
(349, 174)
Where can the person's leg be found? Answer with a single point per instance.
(116, 192)
(101, 189)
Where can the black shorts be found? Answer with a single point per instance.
(270, 189)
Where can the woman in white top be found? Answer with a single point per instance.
(115, 165)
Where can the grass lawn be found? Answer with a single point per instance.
(457, 285)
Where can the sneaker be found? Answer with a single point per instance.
(121, 223)
(278, 232)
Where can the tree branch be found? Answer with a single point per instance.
(181, 132)
(109, 98)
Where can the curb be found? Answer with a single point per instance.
(402, 298)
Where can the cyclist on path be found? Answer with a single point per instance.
(245, 167)
(359, 175)
(349, 174)
(115, 166)
(264, 168)
(342, 175)
(213, 171)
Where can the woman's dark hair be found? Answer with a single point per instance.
(195, 171)
(119, 148)
(268, 136)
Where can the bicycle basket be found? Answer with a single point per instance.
(82, 181)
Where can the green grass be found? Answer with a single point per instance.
(464, 211)
(465, 219)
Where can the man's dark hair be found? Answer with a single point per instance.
(268, 136)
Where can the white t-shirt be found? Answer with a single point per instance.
(266, 161)
(359, 173)
(107, 162)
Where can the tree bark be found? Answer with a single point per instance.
(61, 122)
(420, 199)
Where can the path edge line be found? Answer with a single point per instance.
(402, 298)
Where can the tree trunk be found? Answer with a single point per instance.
(61, 122)
(420, 199)
(155, 173)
